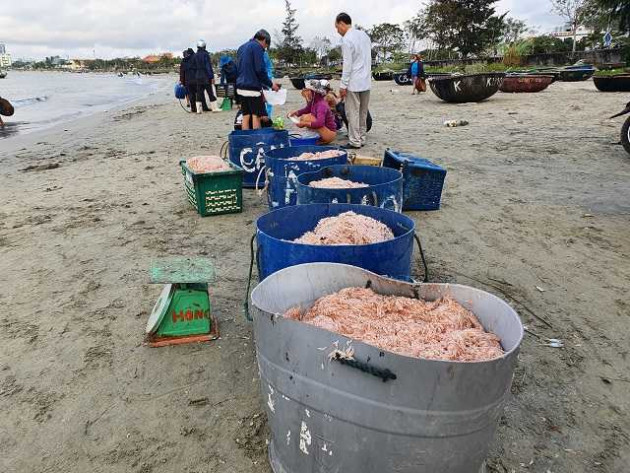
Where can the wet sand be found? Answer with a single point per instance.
(536, 209)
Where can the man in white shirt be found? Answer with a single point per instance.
(356, 80)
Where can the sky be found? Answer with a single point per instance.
(116, 28)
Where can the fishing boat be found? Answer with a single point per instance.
(299, 82)
(576, 73)
(525, 83)
(402, 78)
(383, 76)
(616, 83)
(2, 74)
(466, 88)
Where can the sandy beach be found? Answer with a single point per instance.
(536, 210)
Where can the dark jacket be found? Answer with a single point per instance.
(229, 74)
(250, 63)
(203, 67)
(420, 69)
(187, 70)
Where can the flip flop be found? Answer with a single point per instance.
(6, 108)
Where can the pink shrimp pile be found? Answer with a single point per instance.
(440, 330)
(337, 183)
(348, 228)
(204, 164)
(331, 153)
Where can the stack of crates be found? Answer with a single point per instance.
(214, 193)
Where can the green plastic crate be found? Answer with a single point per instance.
(214, 193)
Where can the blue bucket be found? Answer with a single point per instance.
(277, 230)
(283, 173)
(385, 187)
(180, 91)
(305, 139)
(247, 150)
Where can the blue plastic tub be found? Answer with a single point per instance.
(423, 180)
(304, 139)
(247, 150)
(385, 187)
(283, 174)
(277, 230)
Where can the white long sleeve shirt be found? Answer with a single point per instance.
(356, 47)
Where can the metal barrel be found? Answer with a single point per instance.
(435, 416)
(247, 150)
(385, 187)
(283, 173)
(276, 231)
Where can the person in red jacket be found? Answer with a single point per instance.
(317, 114)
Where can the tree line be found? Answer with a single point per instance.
(448, 29)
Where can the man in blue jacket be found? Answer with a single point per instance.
(253, 78)
(204, 78)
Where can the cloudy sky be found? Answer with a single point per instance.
(113, 28)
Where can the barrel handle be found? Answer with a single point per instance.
(422, 257)
(384, 374)
(260, 173)
(224, 150)
(251, 272)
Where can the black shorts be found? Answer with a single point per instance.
(253, 106)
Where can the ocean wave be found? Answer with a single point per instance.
(29, 101)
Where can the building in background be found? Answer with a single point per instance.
(5, 58)
(564, 32)
(154, 59)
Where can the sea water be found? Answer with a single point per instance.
(45, 99)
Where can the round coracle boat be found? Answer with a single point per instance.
(299, 82)
(466, 88)
(576, 73)
(617, 83)
(402, 78)
(383, 76)
(526, 83)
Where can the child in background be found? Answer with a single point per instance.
(333, 103)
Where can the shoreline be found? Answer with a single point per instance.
(11, 144)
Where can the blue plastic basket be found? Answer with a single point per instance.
(423, 180)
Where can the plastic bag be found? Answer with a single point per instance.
(276, 98)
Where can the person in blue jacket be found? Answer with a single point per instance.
(228, 70)
(253, 78)
(416, 72)
(204, 79)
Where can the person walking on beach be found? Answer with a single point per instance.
(204, 79)
(416, 72)
(356, 80)
(185, 77)
(252, 78)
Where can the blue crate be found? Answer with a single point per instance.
(423, 180)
